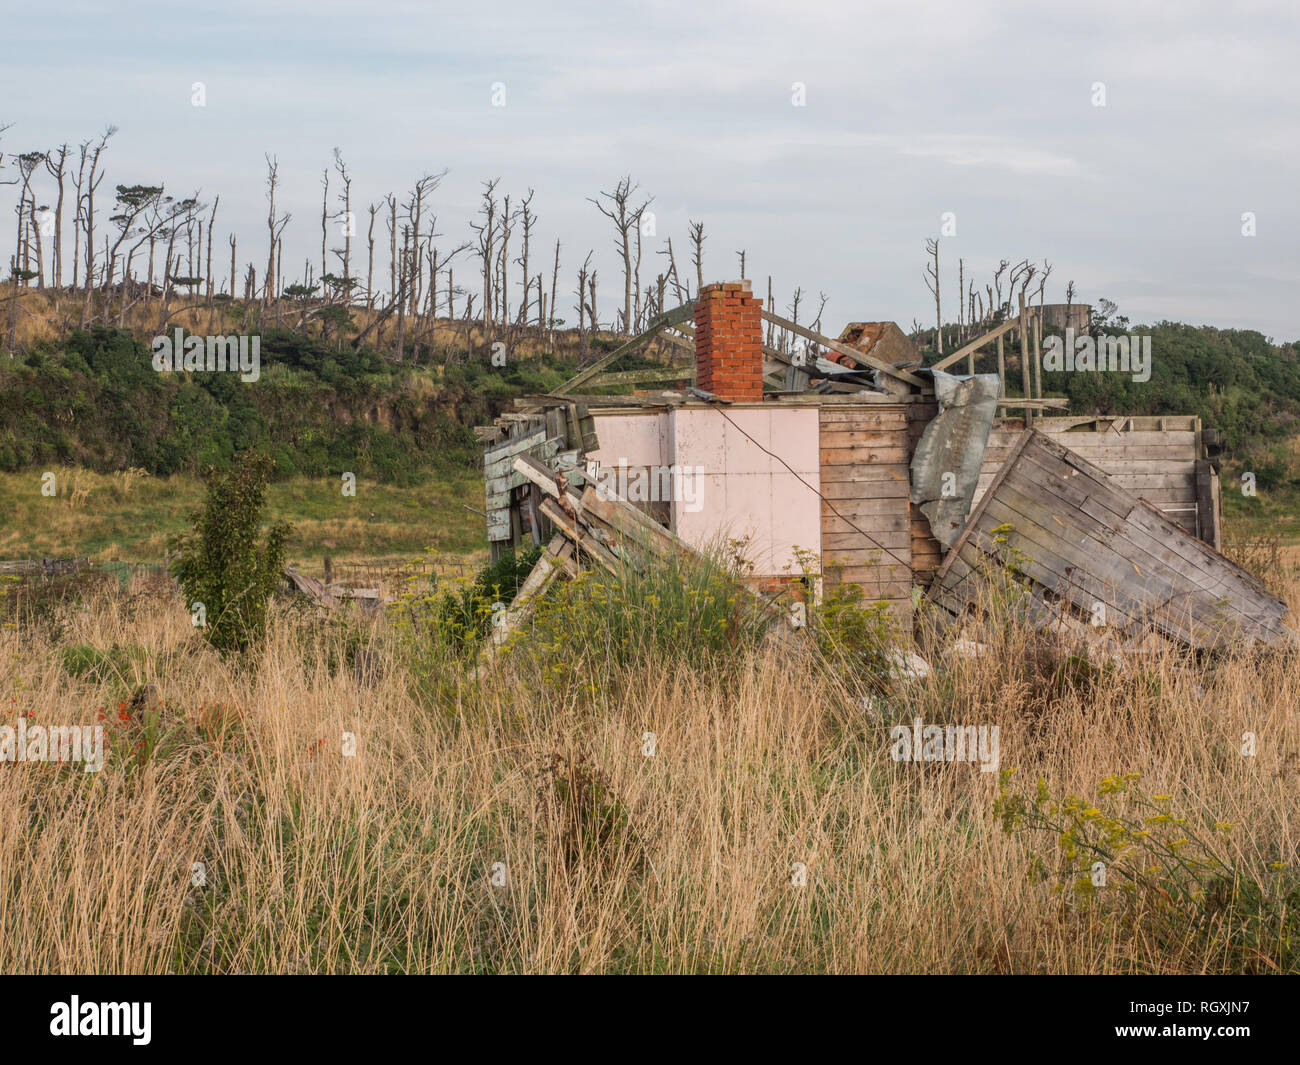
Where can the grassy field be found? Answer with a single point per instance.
(130, 516)
(1267, 514)
(526, 821)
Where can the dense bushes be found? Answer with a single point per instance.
(95, 400)
(1234, 379)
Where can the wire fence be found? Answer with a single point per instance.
(385, 573)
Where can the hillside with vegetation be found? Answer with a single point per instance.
(90, 401)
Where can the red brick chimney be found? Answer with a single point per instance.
(729, 342)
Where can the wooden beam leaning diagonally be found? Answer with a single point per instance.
(634, 525)
(677, 314)
(592, 547)
(861, 358)
(548, 567)
(974, 345)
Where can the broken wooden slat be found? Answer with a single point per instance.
(548, 566)
(677, 314)
(311, 587)
(975, 345)
(645, 376)
(592, 547)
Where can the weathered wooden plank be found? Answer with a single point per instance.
(831, 418)
(974, 346)
(649, 375)
(854, 541)
(590, 546)
(501, 467)
(884, 491)
(872, 588)
(870, 455)
(836, 437)
(668, 318)
(1143, 438)
(866, 474)
(838, 520)
(547, 568)
(515, 445)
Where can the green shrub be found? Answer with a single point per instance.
(227, 569)
(657, 611)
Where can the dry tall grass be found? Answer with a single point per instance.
(383, 862)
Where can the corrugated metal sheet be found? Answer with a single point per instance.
(946, 465)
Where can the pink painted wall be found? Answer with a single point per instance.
(634, 439)
(744, 492)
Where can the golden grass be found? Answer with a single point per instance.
(317, 862)
(46, 315)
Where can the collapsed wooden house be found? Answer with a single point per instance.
(850, 459)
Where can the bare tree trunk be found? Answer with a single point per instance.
(697, 254)
(92, 183)
(370, 261)
(932, 283)
(555, 276)
(581, 308)
(57, 172)
(624, 216)
(324, 222)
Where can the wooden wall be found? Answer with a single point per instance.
(867, 526)
(866, 452)
(1158, 464)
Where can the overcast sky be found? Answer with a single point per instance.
(912, 110)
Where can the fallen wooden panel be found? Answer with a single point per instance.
(311, 587)
(1091, 548)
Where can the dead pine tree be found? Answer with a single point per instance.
(274, 225)
(527, 220)
(932, 283)
(997, 290)
(211, 284)
(821, 308)
(672, 271)
(697, 253)
(56, 165)
(961, 302)
(370, 260)
(486, 230)
(324, 221)
(86, 213)
(626, 217)
(415, 209)
(787, 338)
(349, 223)
(502, 310)
(550, 321)
(581, 308)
